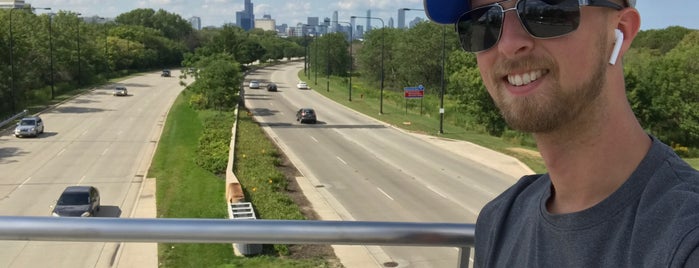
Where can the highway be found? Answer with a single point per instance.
(93, 139)
(370, 171)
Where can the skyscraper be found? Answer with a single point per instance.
(335, 26)
(195, 22)
(368, 20)
(401, 18)
(245, 19)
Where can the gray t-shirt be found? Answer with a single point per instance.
(652, 220)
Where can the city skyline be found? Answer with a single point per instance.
(654, 14)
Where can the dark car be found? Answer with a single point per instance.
(165, 73)
(306, 115)
(271, 87)
(29, 126)
(77, 201)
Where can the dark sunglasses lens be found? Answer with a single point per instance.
(479, 29)
(549, 18)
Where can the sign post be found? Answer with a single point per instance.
(417, 92)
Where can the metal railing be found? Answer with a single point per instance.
(171, 230)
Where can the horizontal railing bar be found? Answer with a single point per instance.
(169, 230)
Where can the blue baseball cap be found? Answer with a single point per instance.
(449, 11)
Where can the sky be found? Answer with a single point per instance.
(654, 14)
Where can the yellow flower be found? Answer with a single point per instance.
(254, 189)
(270, 181)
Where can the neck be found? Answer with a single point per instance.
(592, 157)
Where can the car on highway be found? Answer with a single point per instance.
(77, 201)
(302, 85)
(29, 127)
(120, 91)
(254, 84)
(165, 73)
(271, 87)
(306, 115)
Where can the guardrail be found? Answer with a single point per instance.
(178, 230)
(12, 118)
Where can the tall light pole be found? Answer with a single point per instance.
(305, 45)
(443, 83)
(53, 81)
(79, 71)
(382, 48)
(12, 63)
(12, 66)
(106, 53)
(351, 38)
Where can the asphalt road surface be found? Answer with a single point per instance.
(372, 171)
(93, 139)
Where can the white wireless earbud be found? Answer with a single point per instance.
(617, 46)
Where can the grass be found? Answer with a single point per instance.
(185, 190)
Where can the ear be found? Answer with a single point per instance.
(628, 22)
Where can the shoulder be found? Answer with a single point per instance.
(526, 192)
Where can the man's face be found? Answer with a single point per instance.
(541, 84)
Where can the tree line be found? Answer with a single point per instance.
(49, 54)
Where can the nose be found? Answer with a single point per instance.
(514, 39)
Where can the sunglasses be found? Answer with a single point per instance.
(479, 29)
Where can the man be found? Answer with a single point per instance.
(613, 196)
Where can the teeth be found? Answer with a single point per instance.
(526, 78)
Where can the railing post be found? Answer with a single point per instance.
(464, 257)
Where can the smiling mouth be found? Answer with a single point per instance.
(525, 78)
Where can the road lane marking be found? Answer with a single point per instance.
(84, 132)
(343, 161)
(61, 152)
(384, 193)
(105, 151)
(81, 180)
(437, 192)
(24, 182)
(314, 139)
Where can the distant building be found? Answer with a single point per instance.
(195, 22)
(401, 18)
(245, 19)
(390, 22)
(368, 20)
(335, 26)
(266, 24)
(415, 21)
(12, 4)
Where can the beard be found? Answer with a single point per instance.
(552, 107)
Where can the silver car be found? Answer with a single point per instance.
(29, 126)
(120, 91)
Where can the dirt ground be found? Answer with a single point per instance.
(294, 192)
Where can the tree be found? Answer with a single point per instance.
(466, 85)
(217, 83)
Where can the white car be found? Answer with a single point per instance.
(254, 84)
(302, 85)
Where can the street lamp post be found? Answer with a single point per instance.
(305, 45)
(12, 66)
(53, 82)
(382, 48)
(350, 59)
(79, 71)
(106, 53)
(443, 83)
(12, 63)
